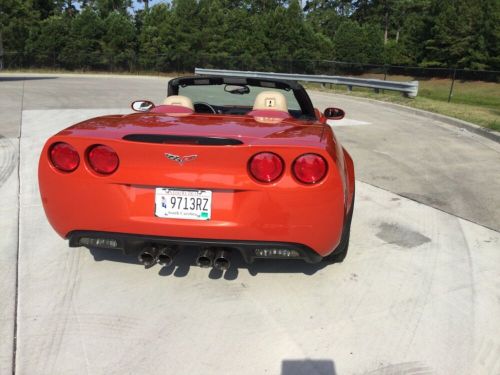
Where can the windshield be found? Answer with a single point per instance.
(243, 95)
(232, 95)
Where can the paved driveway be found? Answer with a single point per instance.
(418, 293)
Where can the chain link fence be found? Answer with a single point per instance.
(162, 63)
(129, 62)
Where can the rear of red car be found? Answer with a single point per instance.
(153, 181)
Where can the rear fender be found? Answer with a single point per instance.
(349, 173)
(344, 165)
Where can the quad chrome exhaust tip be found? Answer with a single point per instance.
(166, 255)
(222, 260)
(206, 258)
(148, 256)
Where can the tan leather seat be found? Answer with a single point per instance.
(270, 100)
(180, 101)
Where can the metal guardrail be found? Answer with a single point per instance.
(409, 89)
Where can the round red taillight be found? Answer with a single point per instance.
(64, 157)
(266, 167)
(103, 159)
(309, 168)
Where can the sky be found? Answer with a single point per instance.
(138, 5)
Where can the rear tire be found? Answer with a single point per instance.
(339, 254)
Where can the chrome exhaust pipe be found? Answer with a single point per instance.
(148, 256)
(222, 260)
(166, 255)
(205, 258)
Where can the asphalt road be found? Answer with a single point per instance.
(418, 294)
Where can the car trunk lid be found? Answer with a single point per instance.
(200, 129)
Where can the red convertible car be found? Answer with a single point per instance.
(225, 164)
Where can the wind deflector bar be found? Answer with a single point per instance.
(182, 140)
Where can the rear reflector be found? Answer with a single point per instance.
(276, 253)
(266, 167)
(64, 157)
(309, 168)
(105, 243)
(103, 159)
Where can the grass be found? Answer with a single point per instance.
(473, 101)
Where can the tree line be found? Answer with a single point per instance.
(250, 34)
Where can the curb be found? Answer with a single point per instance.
(473, 128)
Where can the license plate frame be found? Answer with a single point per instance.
(184, 204)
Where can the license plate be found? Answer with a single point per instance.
(183, 204)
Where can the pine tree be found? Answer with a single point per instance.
(118, 41)
(187, 28)
(349, 42)
(46, 44)
(86, 32)
(456, 39)
(156, 38)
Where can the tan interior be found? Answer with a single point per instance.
(179, 100)
(272, 100)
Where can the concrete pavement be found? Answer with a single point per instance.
(11, 97)
(9, 186)
(418, 293)
(428, 161)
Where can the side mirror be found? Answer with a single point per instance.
(142, 105)
(333, 113)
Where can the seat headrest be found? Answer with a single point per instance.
(271, 100)
(179, 100)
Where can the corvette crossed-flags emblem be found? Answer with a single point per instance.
(180, 159)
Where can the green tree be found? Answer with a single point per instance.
(373, 44)
(325, 16)
(490, 28)
(350, 42)
(119, 41)
(45, 45)
(250, 34)
(187, 28)
(105, 7)
(156, 38)
(343, 8)
(456, 39)
(215, 35)
(85, 49)
(403, 23)
(18, 20)
(247, 43)
(413, 33)
(264, 6)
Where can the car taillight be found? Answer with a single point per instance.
(309, 168)
(103, 159)
(64, 157)
(266, 167)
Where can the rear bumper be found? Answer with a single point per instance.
(249, 250)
